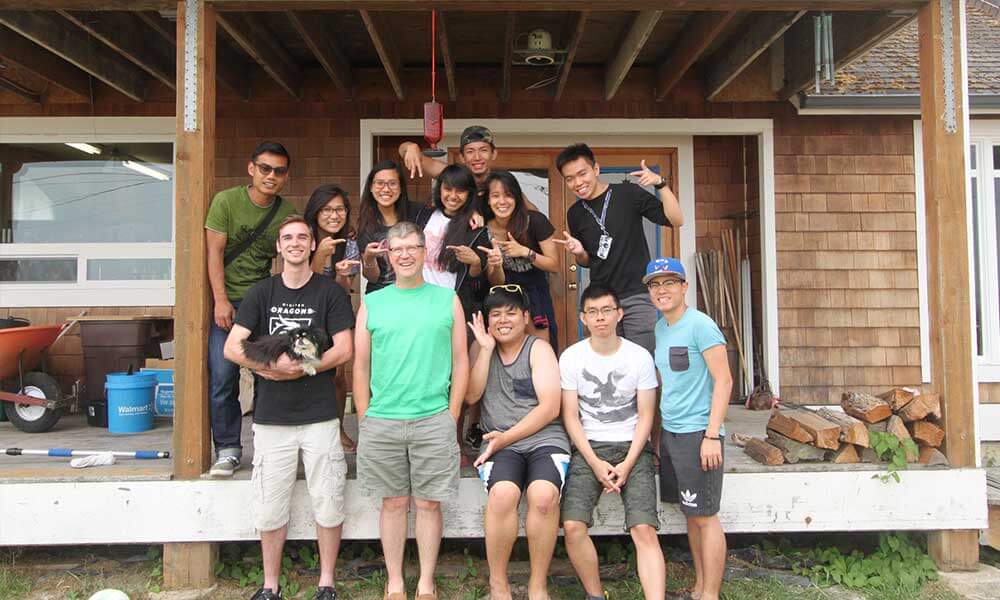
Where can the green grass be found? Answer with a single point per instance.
(13, 585)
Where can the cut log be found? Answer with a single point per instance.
(866, 407)
(880, 426)
(852, 430)
(847, 454)
(897, 398)
(739, 439)
(921, 407)
(794, 451)
(763, 452)
(782, 422)
(926, 433)
(896, 427)
(825, 434)
(932, 457)
(868, 456)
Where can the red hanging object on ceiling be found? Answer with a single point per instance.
(433, 111)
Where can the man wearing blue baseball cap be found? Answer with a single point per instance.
(693, 364)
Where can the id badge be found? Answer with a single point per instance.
(604, 247)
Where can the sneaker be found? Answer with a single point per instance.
(325, 593)
(225, 466)
(266, 593)
(474, 436)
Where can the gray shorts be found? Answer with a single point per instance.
(639, 320)
(682, 481)
(409, 457)
(583, 491)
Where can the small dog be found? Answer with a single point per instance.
(305, 344)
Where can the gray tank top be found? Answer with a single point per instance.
(510, 395)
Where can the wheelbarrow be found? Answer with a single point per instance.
(37, 404)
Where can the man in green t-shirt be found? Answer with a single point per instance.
(411, 369)
(237, 259)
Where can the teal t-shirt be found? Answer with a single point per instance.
(410, 351)
(233, 213)
(686, 400)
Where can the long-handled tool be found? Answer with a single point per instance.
(67, 453)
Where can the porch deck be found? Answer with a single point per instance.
(73, 432)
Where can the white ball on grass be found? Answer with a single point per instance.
(109, 594)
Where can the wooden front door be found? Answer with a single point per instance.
(535, 169)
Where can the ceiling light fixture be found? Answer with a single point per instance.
(141, 168)
(82, 147)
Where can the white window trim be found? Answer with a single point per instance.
(636, 133)
(36, 130)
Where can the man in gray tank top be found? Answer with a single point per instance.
(525, 448)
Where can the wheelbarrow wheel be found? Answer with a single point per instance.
(32, 418)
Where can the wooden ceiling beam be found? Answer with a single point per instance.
(640, 30)
(508, 56)
(474, 5)
(57, 36)
(571, 48)
(20, 91)
(230, 69)
(446, 57)
(315, 33)
(853, 35)
(386, 50)
(761, 31)
(254, 39)
(27, 55)
(120, 31)
(699, 32)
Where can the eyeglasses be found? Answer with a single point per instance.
(326, 211)
(604, 311)
(266, 169)
(669, 284)
(407, 250)
(380, 183)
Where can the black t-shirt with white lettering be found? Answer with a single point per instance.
(270, 307)
(625, 265)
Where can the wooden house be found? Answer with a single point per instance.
(859, 219)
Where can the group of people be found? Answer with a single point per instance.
(457, 317)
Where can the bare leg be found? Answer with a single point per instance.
(542, 526)
(429, 526)
(328, 539)
(694, 540)
(649, 562)
(501, 533)
(713, 554)
(392, 530)
(340, 383)
(271, 545)
(583, 555)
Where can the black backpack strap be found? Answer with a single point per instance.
(259, 229)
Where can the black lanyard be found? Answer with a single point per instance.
(604, 210)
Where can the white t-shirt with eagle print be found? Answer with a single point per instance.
(606, 387)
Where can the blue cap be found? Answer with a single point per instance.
(664, 266)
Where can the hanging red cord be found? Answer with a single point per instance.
(434, 15)
(433, 112)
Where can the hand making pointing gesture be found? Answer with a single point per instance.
(646, 176)
(573, 245)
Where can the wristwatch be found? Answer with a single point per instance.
(662, 184)
(531, 256)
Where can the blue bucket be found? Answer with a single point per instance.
(130, 402)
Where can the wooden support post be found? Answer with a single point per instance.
(945, 120)
(190, 565)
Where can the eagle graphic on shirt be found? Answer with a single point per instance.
(604, 403)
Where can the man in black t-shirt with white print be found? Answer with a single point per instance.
(606, 234)
(293, 411)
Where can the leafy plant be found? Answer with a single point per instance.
(12, 584)
(469, 570)
(155, 581)
(898, 564)
(890, 448)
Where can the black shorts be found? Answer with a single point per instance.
(547, 463)
(682, 480)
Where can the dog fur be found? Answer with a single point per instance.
(305, 344)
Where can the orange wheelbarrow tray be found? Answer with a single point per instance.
(37, 404)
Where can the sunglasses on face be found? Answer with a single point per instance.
(266, 169)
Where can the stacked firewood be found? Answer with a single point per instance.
(797, 434)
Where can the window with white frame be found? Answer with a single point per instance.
(984, 195)
(86, 223)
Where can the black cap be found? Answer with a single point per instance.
(475, 133)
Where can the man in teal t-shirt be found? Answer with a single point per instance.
(692, 360)
(411, 370)
(232, 218)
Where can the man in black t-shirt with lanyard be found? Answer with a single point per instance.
(605, 233)
(293, 411)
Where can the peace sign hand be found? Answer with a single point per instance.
(646, 176)
(345, 268)
(464, 254)
(374, 249)
(511, 247)
(483, 337)
(494, 257)
(573, 245)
